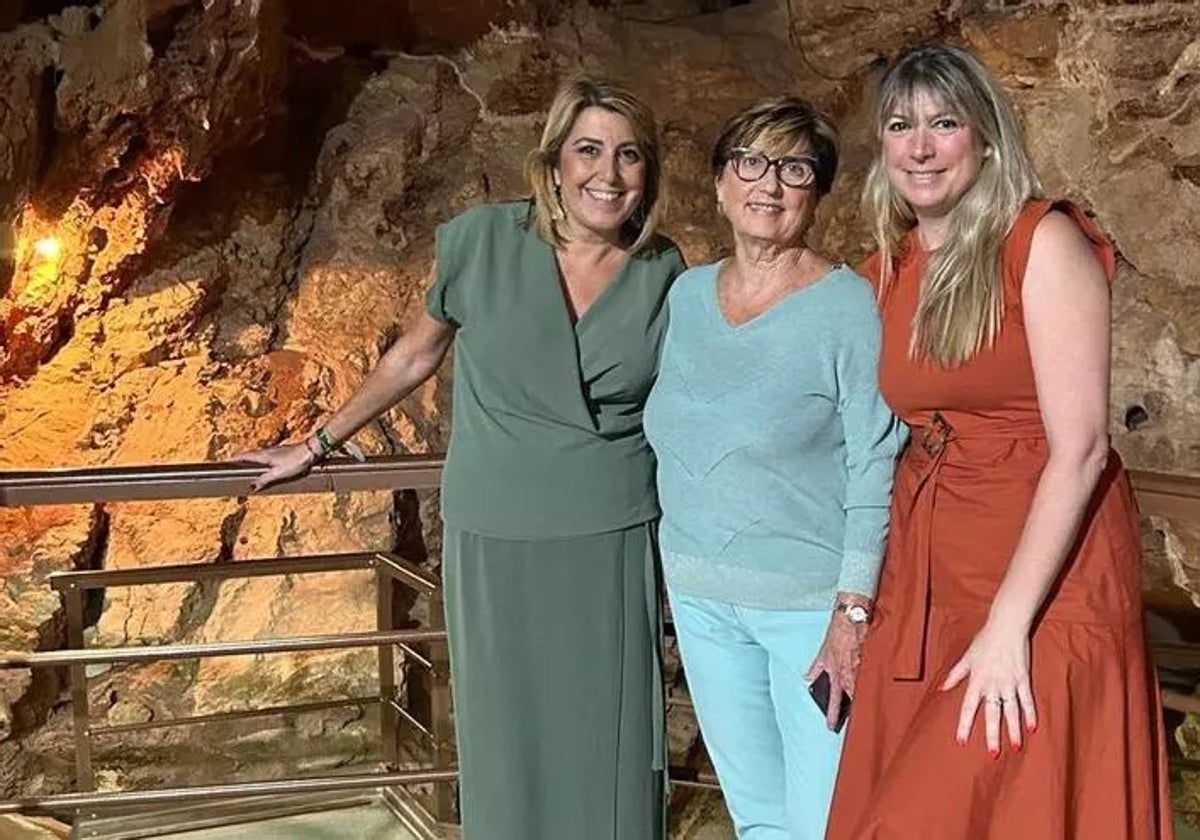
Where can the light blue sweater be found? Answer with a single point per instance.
(775, 449)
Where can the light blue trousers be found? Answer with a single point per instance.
(774, 756)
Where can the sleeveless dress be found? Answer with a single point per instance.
(1096, 767)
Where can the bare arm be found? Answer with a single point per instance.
(1066, 302)
(406, 364)
(1067, 310)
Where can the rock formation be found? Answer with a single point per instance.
(216, 215)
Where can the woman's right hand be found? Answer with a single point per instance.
(283, 462)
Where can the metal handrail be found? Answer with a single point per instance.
(397, 567)
(240, 714)
(193, 481)
(49, 805)
(155, 653)
(92, 485)
(1158, 494)
(1164, 494)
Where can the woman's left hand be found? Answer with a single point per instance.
(996, 667)
(838, 657)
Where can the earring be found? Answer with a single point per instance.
(558, 212)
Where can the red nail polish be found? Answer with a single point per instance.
(995, 754)
(1017, 746)
(960, 741)
(1032, 727)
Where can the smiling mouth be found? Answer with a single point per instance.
(759, 207)
(606, 196)
(924, 175)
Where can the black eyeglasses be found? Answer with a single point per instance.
(794, 170)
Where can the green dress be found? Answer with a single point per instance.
(549, 565)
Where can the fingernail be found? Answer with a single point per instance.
(1017, 746)
(1032, 727)
(962, 742)
(995, 754)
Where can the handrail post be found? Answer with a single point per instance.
(389, 723)
(80, 714)
(444, 797)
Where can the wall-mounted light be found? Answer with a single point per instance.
(49, 248)
(43, 270)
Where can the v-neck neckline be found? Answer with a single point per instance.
(714, 299)
(577, 322)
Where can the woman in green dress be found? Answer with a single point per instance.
(556, 309)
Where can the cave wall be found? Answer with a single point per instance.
(246, 193)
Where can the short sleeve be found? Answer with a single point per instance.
(1020, 240)
(441, 300)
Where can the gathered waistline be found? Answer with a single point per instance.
(933, 437)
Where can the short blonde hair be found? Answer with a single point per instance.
(961, 303)
(575, 95)
(777, 126)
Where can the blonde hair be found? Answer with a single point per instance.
(575, 95)
(961, 301)
(777, 126)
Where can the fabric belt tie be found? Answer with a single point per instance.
(935, 440)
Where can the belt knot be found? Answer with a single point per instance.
(936, 435)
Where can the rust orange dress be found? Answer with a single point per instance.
(1095, 769)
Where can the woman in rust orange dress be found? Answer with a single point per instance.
(1005, 690)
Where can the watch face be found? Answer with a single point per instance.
(856, 614)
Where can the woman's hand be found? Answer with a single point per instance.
(996, 667)
(283, 462)
(839, 656)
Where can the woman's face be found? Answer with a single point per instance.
(931, 156)
(765, 208)
(601, 173)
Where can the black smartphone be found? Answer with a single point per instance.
(819, 689)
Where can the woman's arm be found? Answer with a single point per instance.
(1065, 297)
(1067, 308)
(414, 357)
(873, 438)
(405, 365)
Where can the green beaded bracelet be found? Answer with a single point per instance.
(325, 443)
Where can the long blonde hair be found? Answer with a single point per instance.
(575, 95)
(961, 300)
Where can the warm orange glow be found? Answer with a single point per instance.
(42, 279)
(48, 249)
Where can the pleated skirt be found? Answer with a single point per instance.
(557, 686)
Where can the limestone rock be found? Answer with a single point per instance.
(135, 124)
(22, 828)
(1128, 63)
(301, 605)
(158, 534)
(24, 57)
(1172, 565)
(217, 291)
(34, 543)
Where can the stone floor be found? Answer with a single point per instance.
(701, 817)
(696, 815)
(366, 822)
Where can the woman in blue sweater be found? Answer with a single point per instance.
(775, 455)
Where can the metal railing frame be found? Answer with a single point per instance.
(194, 481)
(1158, 494)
